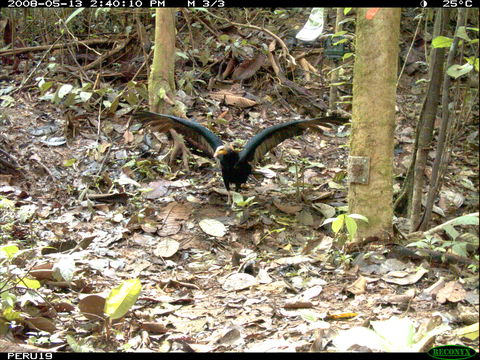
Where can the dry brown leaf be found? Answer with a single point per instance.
(248, 68)
(128, 137)
(41, 323)
(272, 45)
(358, 287)
(154, 327)
(92, 307)
(172, 217)
(452, 291)
(233, 100)
(287, 208)
(42, 272)
(166, 248)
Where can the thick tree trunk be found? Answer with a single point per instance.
(374, 96)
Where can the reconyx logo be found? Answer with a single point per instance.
(456, 352)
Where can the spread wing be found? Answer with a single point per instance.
(197, 135)
(267, 139)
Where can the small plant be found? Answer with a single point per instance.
(457, 242)
(345, 224)
(242, 203)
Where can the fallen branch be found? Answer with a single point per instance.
(87, 42)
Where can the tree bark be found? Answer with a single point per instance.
(373, 113)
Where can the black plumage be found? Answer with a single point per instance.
(236, 166)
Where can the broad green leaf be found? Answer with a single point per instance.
(351, 226)
(466, 220)
(45, 86)
(122, 298)
(460, 249)
(441, 42)
(8, 251)
(473, 61)
(224, 38)
(456, 70)
(337, 224)
(79, 346)
(6, 203)
(397, 333)
(11, 315)
(346, 11)
(30, 283)
(237, 197)
(450, 230)
(8, 298)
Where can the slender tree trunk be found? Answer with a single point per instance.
(426, 122)
(444, 127)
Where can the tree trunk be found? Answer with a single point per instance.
(374, 96)
(426, 122)
(161, 84)
(445, 127)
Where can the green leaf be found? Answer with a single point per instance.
(182, 55)
(85, 95)
(30, 283)
(337, 224)
(466, 220)
(45, 86)
(8, 251)
(450, 230)
(397, 333)
(472, 60)
(237, 198)
(462, 33)
(460, 249)
(72, 15)
(340, 33)
(6, 203)
(346, 11)
(11, 315)
(456, 70)
(441, 42)
(224, 38)
(122, 298)
(351, 226)
(69, 162)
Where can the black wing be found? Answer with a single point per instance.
(197, 135)
(270, 137)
